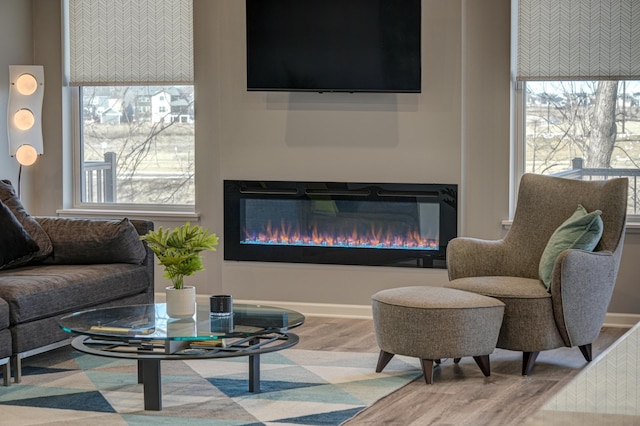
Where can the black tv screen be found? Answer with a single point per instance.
(334, 45)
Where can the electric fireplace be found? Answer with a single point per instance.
(379, 224)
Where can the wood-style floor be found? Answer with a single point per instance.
(460, 394)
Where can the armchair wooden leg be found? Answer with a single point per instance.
(586, 351)
(528, 359)
(383, 360)
(427, 370)
(483, 363)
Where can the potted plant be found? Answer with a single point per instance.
(178, 250)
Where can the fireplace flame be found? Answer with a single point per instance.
(375, 237)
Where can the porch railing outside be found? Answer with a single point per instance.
(100, 180)
(579, 172)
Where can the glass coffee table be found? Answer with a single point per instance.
(146, 333)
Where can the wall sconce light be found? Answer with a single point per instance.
(24, 113)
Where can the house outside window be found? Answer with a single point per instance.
(135, 148)
(578, 91)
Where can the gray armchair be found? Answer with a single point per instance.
(572, 312)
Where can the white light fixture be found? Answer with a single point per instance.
(24, 112)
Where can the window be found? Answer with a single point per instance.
(134, 91)
(578, 115)
(133, 156)
(584, 130)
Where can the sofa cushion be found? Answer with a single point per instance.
(16, 246)
(5, 343)
(4, 314)
(10, 198)
(40, 291)
(91, 241)
(581, 231)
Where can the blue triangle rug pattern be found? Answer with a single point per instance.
(297, 387)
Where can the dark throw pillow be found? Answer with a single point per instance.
(16, 246)
(90, 241)
(10, 199)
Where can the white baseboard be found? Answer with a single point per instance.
(308, 309)
(621, 320)
(364, 311)
(321, 309)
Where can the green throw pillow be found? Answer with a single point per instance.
(581, 231)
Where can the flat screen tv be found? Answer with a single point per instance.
(334, 45)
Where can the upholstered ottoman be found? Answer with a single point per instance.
(431, 323)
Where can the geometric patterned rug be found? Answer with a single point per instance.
(297, 387)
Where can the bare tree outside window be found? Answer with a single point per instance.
(138, 145)
(584, 130)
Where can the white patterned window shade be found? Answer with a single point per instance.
(132, 63)
(578, 40)
(567, 53)
(130, 42)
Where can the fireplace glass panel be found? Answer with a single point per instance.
(341, 223)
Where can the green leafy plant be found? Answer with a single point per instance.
(178, 250)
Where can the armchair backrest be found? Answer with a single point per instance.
(544, 202)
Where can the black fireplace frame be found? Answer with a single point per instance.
(235, 191)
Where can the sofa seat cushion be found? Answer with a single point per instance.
(4, 314)
(528, 323)
(5, 343)
(502, 287)
(35, 292)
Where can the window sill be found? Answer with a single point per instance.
(153, 215)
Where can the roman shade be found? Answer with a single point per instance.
(130, 42)
(578, 40)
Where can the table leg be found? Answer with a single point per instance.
(254, 369)
(254, 373)
(152, 383)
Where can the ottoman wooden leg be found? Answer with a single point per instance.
(483, 363)
(383, 360)
(427, 370)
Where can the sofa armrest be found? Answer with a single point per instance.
(581, 289)
(472, 257)
(143, 227)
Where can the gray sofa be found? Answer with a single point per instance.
(89, 264)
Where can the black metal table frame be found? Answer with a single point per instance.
(149, 372)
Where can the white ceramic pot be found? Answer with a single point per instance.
(181, 303)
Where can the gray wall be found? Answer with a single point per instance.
(329, 136)
(16, 48)
(455, 131)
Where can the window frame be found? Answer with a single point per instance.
(164, 211)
